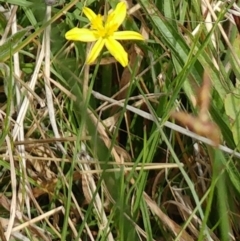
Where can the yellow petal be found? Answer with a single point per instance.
(117, 16)
(89, 13)
(124, 35)
(81, 34)
(95, 51)
(117, 51)
(97, 23)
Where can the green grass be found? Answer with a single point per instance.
(103, 152)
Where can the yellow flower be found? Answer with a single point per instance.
(104, 32)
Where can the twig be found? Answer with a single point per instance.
(49, 98)
(39, 218)
(21, 148)
(25, 104)
(14, 191)
(166, 124)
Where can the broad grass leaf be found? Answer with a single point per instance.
(21, 3)
(12, 42)
(232, 107)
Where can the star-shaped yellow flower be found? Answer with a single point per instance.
(104, 32)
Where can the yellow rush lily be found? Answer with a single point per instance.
(104, 32)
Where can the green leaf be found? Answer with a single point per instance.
(12, 41)
(5, 75)
(232, 103)
(21, 3)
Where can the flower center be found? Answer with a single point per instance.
(104, 29)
